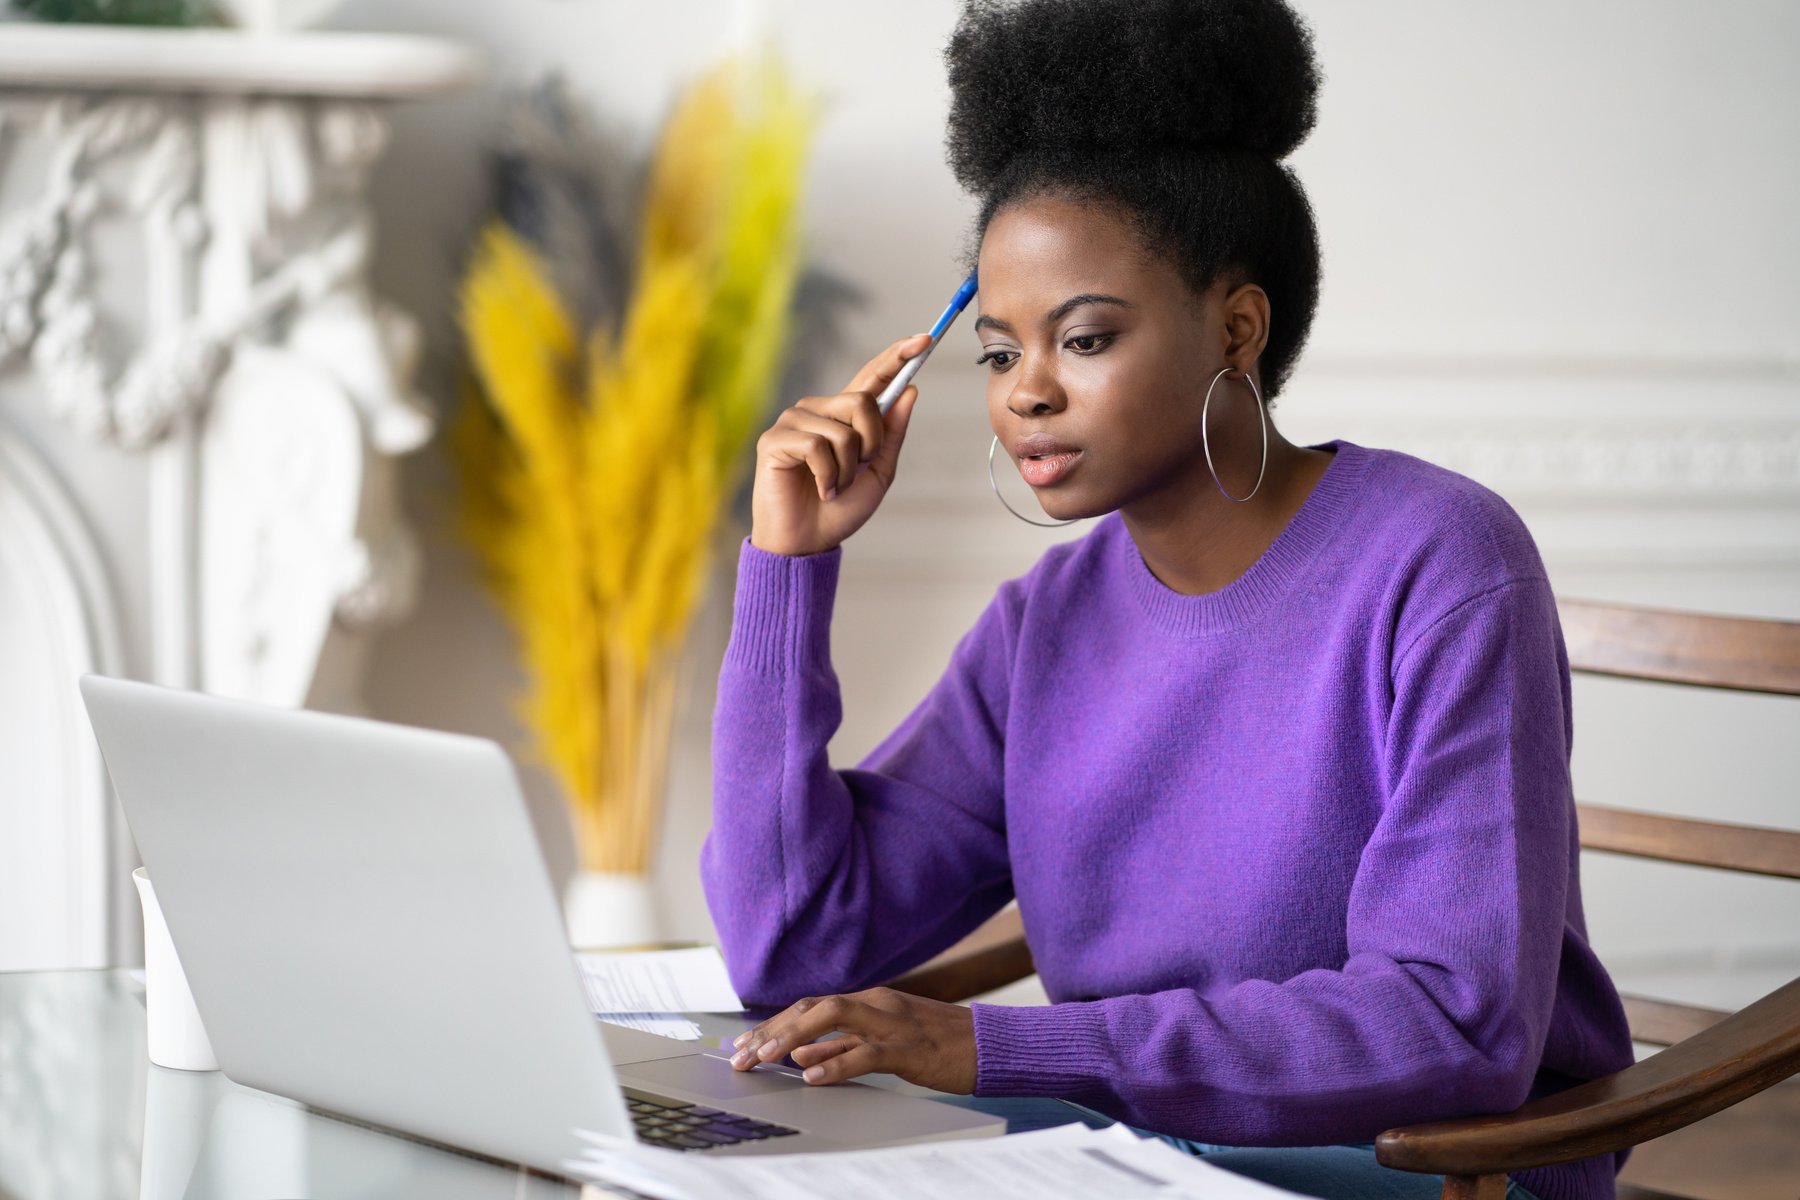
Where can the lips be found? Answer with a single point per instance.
(1042, 445)
(1043, 459)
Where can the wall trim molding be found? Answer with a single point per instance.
(1591, 463)
(1599, 463)
(1627, 365)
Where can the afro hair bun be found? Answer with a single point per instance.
(1066, 76)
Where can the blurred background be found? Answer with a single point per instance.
(1560, 257)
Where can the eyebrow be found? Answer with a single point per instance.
(984, 321)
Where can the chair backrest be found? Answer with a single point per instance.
(1702, 650)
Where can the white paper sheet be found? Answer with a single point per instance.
(1071, 1160)
(669, 1025)
(658, 981)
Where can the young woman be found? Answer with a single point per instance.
(1275, 759)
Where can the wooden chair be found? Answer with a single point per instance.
(1712, 1060)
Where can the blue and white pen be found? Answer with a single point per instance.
(958, 302)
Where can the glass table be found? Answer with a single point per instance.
(83, 1113)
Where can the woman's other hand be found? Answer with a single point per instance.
(927, 1042)
(823, 467)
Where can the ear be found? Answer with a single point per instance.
(1245, 314)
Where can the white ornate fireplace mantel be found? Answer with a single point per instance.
(201, 408)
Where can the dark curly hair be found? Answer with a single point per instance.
(1177, 111)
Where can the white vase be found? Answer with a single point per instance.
(174, 1034)
(608, 909)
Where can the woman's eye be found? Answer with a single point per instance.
(1095, 342)
(994, 357)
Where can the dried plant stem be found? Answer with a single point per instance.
(653, 779)
(598, 460)
(617, 832)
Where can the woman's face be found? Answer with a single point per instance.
(1097, 351)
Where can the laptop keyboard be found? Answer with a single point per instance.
(680, 1126)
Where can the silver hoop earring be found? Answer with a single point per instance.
(995, 484)
(1206, 445)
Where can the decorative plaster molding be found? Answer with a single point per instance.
(116, 58)
(46, 305)
(257, 236)
(379, 584)
(281, 474)
(268, 389)
(301, 191)
(53, 575)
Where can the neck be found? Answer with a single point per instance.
(1195, 540)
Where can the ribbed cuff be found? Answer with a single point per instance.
(1043, 1050)
(782, 611)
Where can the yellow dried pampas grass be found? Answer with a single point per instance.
(596, 464)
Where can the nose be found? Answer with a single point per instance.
(1036, 394)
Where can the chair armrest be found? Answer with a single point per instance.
(991, 957)
(1740, 1056)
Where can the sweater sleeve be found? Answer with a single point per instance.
(821, 880)
(1454, 931)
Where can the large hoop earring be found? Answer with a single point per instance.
(1261, 412)
(995, 484)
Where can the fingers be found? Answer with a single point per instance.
(849, 423)
(879, 371)
(806, 1021)
(832, 452)
(857, 1060)
(814, 1053)
(857, 411)
(829, 449)
(927, 1042)
(801, 1022)
(838, 438)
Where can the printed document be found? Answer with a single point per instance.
(669, 1025)
(657, 983)
(1071, 1160)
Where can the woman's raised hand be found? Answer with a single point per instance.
(823, 467)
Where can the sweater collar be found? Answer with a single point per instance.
(1271, 575)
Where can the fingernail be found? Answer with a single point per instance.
(768, 1050)
(830, 495)
(813, 1074)
(741, 1059)
(740, 1039)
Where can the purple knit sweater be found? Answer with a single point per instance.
(1296, 858)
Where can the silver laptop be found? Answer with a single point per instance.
(366, 922)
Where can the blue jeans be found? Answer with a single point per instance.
(1330, 1172)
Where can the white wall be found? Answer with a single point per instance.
(1560, 256)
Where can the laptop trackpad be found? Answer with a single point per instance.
(715, 1079)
